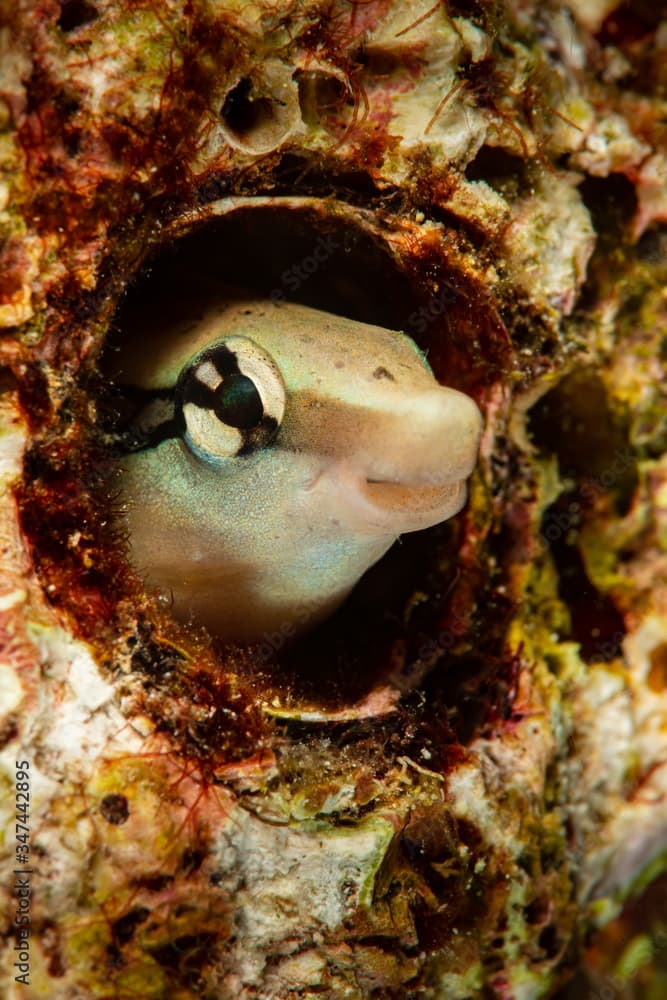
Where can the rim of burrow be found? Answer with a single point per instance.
(426, 265)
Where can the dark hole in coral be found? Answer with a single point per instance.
(630, 22)
(115, 809)
(75, 13)
(125, 927)
(264, 250)
(652, 246)
(72, 143)
(596, 623)
(538, 911)
(549, 941)
(9, 729)
(324, 99)
(246, 113)
(154, 883)
(612, 202)
(382, 63)
(192, 859)
(574, 420)
(475, 10)
(186, 956)
(273, 251)
(66, 103)
(497, 167)
(115, 958)
(354, 186)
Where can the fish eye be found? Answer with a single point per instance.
(238, 403)
(231, 398)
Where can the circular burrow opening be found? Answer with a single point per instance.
(326, 99)
(261, 110)
(414, 610)
(264, 260)
(75, 13)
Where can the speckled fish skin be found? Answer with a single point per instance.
(370, 446)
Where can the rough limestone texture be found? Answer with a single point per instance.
(441, 793)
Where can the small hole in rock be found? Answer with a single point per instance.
(75, 13)
(72, 144)
(323, 98)
(125, 927)
(246, 114)
(596, 624)
(537, 912)
(287, 257)
(496, 167)
(381, 63)
(652, 246)
(630, 22)
(612, 201)
(575, 421)
(549, 941)
(115, 809)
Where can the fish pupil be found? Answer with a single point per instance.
(237, 402)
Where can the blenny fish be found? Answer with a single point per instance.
(273, 452)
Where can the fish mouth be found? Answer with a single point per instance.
(416, 500)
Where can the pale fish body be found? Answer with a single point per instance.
(276, 453)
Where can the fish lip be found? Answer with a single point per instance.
(415, 501)
(366, 504)
(415, 484)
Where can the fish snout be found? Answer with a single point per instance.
(405, 468)
(430, 439)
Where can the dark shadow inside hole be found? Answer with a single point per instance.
(496, 167)
(355, 186)
(596, 624)
(549, 941)
(244, 113)
(351, 653)
(612, 202)
(324, 262)
(630, 22)
(323, 98)
(652, 246)
(279, 253)
(574, 420)
(75, 13)
(72, 143)
(475, 10)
